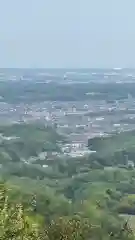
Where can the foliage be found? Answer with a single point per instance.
(16, 223)
(76, 198)
(31, 91)
(13, 222)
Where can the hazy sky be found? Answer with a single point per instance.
(67, 33)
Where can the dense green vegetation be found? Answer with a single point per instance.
(26, 140)
(27, 222)
(25, 148)
(30, 91)
(114, 150)
(90, 197)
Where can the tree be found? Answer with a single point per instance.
(14, 224)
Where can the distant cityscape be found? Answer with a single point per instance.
(77, 120)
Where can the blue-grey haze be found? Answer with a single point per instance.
(67, 33)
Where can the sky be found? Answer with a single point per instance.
(67, 33)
